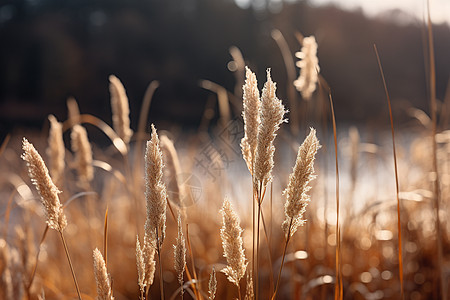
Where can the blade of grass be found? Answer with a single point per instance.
(105, 237)
(437, 192)
(399, 227)
(194, 273)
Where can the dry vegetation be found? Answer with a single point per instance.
(124, 221)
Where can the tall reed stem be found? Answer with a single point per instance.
(70, 264)
(158, 248)
(399, 224)
(282, 260)
(437, 191)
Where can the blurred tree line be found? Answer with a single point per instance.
(52, 49)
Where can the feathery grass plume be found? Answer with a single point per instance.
(56, 150)
(212, 285)
(38, 173)
(233, 250)
(73, 111)
(120, 109)
(180, 253)
(83, 153)
(309, 68)
(297, 197)
(172, 169)
(271, 112)
(249, 294)
(148, 254)
(155, 190)
(102, 278)
(250, 114)
(6, 286)
(140, 263)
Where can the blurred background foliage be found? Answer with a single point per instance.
(53, 49)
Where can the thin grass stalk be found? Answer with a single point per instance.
(282, 259)
(338, 286)
(158, 249)
(105, 238)
(33, 272)
(194, 273)
(269, 250)
(399, 227)
(239, 290)
(70, 264)
(437, 191)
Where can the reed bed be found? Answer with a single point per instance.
(252, 224)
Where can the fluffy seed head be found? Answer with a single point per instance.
(38, 173)
(120, 109)
(297, 197)
(155, 191)
(232, 244)
(172, 169)
(212, 285)
(272, 112)
(251, 118)
(180, 252)
(56, 150)
(309, 68)
(102, 278)
(83, 154)
(140, 263)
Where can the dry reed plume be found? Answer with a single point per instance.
(271, 113)
(83, 154)
(102, 277)
(250, 114)
(309, 68)
(297, 197)
(180, 253)
(212, 285)
(38, 172)
(56, 150)
(155, 189)
(233, 250)
(120, 109)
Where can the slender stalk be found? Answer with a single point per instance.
(158, 249)
(239, 290)
(70, 264)
(282, 261)
(437, 190)
(105, 237)
(399, 227)
(194, 273)
(33, 272)
(257, 242)
(253, 234)
(338, 287)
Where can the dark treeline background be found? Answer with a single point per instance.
(52, 49)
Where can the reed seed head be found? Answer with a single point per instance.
(212, 285)
(180, 252)
(297, 197)
(120, 109)
(232, 244)
(155, 191)
(38, 173)
(309, 68)
(250, 114)
(271, 112)
(140, 263)
(83, 154)
(102, 278)
(56, 150)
